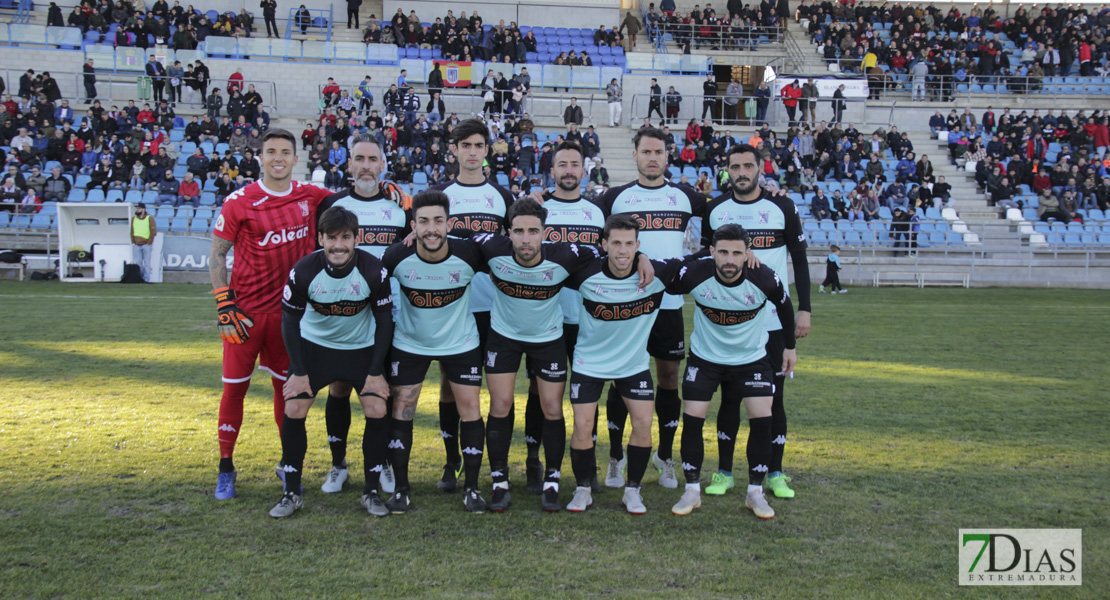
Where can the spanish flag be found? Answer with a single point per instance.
(456, 73)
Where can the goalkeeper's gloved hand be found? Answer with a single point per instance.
(232, 322)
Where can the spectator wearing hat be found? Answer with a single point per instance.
(143, 231)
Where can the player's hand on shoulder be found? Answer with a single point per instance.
(537, 194)
(646, 271)
(410, 239)
(753, 262)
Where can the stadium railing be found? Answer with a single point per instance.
(856, 110)
(723, 37)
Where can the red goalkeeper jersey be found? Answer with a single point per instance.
(271, 231)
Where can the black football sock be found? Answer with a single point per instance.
(449, 430)
(668, 407)
(533, 425)
(778, 426)
(400, 448)
(616, 413)
(637, 463)
(759, 449)
(584, 463)
(728, 426)
(693, 447)
(227, 465)
(554, 445)
(337, 417)
(294, 444)
(375, 441)
(499, 436)
(472, 435)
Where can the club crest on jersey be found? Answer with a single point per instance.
(588, 214)
(304, 207)
(764, 216)
(411, 275)
(387, 214)
(749, 299)
(549, 275)
(453, 276)
(356, 288)
(672, 200)
(489, 201)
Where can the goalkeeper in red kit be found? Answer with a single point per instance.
(270, 224)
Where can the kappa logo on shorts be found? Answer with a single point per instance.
(574, 390)
(692, 373)
(394, 367)
(491, 359)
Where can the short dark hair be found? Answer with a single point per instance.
(366, 138)
(431, 198)
(622, 221)
(280, 134)
(741, 149)
(650, 132)
(337, 220)
(468, 128)
(569, 146)
(525, 207)
(731, 232)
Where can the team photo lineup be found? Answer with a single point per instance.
(361, 290)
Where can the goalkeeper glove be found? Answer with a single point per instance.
(232, 322)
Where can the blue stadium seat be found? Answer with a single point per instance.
(95, 195)
(76, 195)
(133, 196)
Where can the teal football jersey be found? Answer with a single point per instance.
(728, 326)
(663, 213)
(381, 223)
(616, 317)
(578, 221)
(526, 303)
(343, 301)
(477, 209)
(775, 230)
(434, 317)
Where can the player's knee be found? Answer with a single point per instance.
(500, 406)
(297, 409)
(758, 407)
(372, 406)
(340, 389)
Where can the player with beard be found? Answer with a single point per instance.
(381, 209)
(271, 224)
(776, 235)
(344, 337)
(663, 211)
(728, 349)
(434, 322)
(477, 206)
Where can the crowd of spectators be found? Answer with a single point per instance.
(737, 25)
(1059, 157)
(132, 23)
(129, 147)
(941, 49)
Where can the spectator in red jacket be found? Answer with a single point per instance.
(693, 133)
(145, 116)
(1100, 134)
(331, 92)
(1036, 147)
(790, 95)
(188, 192)
(234, 82)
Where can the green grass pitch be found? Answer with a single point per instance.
(914, 413)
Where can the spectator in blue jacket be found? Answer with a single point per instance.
(338, 156)
(906, 169)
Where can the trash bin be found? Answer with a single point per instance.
(145, 88)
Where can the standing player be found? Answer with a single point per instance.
(570, 218)
(382, 220)
(663, 211)
(526, 319)
(271, 224)
(477, 206)
(728, 350)
(345, 337)
(615, 321)
(776, 234)
(434, 322)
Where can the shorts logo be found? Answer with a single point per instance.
(764, 216)
(394, 367)
(491, 359)
(453, 276)
(757, 376)
(692, 373)
(681, 345)
(643, 385)
(304, 207)
(574, 390)
(474, 370)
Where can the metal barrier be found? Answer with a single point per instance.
(319, 18)
(720, 36)
(856, 110)
(25, 34)
(699, 64)
(118, 88)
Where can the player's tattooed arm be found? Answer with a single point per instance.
(404, 401)
(217, 261)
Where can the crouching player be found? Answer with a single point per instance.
(727, 350)
(344, 337)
